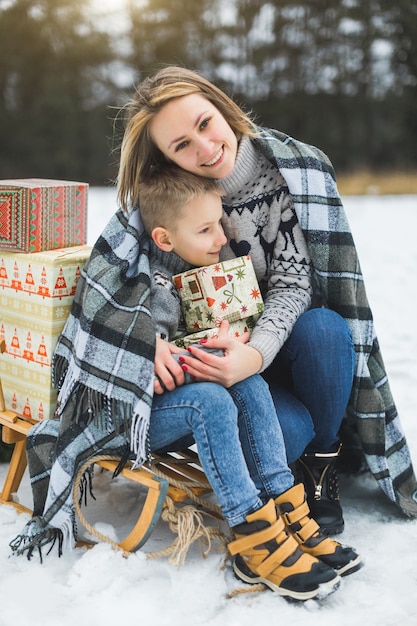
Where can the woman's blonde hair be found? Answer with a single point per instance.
(139, 154)
(166, 190)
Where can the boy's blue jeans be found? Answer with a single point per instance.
(239, 440)
(241, 445)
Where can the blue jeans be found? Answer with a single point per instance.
(311, 380)
(239, 440)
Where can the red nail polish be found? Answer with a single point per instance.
(203, 340)
(184, 368)
(181, 359)
(189, 349)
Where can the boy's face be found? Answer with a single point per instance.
(198, 236)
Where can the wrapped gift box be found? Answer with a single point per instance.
(235, 330)
(36, 293)
(227, 290)
(37, 214)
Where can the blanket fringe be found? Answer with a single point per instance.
(106, 413)
(86, 485)
(29, 543)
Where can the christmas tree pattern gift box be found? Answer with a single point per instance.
(39, 214)
(36, 293)
(227, 290)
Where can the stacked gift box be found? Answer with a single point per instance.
(227, 290)
(43, 228)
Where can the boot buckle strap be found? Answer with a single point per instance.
(291, 517)
(247, 542)
(277, 557)
(306, 532)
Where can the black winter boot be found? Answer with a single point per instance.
(318, 473)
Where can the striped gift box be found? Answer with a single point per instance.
(38, 214)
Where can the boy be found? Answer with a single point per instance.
(182, 214)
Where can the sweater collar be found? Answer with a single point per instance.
(169, 260)
(247, 166)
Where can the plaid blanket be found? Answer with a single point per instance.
(106, 351)
(339, 285)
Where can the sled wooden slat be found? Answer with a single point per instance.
(184, 466)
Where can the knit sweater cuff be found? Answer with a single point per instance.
(266, 346)
(267, 339)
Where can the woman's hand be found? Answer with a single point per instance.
(168, 372)
(239, 361)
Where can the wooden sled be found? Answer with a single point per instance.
(169, 478)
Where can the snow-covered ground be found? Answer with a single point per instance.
(100, 587)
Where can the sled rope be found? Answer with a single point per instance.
(186, 522)
(222, 538)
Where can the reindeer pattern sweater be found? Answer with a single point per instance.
(259, 219)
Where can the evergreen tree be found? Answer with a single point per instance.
(53, 87)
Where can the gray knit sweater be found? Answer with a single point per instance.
(165, 301)
(259, 219)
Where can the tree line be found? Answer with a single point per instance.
(341, 74)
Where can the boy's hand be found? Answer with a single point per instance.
(168, 372)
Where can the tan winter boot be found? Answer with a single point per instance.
(293, 508)
(266, 553)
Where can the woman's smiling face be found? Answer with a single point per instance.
(191, 132)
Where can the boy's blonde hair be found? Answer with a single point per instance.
(138, 151)
(164, 193)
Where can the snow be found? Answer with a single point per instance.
(99, 587)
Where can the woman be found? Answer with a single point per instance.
(281, 205)
(107, 356)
